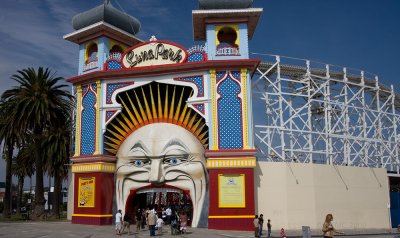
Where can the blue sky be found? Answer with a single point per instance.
(362, 34)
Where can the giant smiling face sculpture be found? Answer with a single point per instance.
(158, 155)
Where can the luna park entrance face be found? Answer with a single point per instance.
(160, 199)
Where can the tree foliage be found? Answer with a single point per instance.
(37, 104)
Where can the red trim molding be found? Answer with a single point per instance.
(91, 220)
(250, 64)
(236, 224)
(229, 153)
(93, 158)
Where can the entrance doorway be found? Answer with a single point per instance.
(159, 199)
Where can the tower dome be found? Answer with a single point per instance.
(109, 14)
(224, 4)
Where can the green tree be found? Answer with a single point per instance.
(38, 103)
(56, 145)
(21, 168)
(9, 136)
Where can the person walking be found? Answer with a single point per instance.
(152, 220)
(173, 223)
(160, 223)
(127, 224)
(118, 223)
(269, 227)
(328, 228)
(138, 220)
(144, 218)
(168, 213)
(260, 223)
(256, 226)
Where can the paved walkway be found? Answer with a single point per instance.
(68, 230)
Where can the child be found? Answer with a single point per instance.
(269, 226)
(160, 223)
(283, 233)
(118, 222)
(183, 220)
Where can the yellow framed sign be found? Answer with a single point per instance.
(86, 192)
(231, 190)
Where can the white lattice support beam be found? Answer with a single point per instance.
(364, 120)
(396, 139)
(291, 142)
(346, 142)
(379, 126)
(328, 118)
(282, 135)
(269, 145)
(309, 113)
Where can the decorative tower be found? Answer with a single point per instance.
(103, 34)
(227, 26)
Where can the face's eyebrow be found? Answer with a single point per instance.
(175, 142)
(140, 145)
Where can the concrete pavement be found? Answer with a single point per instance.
(68, 230)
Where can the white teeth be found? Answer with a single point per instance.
(159, 190)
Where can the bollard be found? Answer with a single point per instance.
(306, 231)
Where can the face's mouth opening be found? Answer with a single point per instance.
(160, 198)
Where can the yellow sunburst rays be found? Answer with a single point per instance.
(136, 115)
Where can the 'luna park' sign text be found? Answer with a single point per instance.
(153, 53)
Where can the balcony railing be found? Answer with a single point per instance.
(227, 51)
(114, 56)
(90, 65)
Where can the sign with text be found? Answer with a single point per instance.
(231, 190)
(86, 192)
(154, 53)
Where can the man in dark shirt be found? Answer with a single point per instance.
(261, 223)
(138, 220)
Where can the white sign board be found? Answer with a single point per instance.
(153, 53)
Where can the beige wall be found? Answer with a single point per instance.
(293, 195)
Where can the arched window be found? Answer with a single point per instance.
(91, 53)
(227, 36)
(116, 49)
(115, 53)
(227, 41)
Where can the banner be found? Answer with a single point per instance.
(231, 190)
(86, 192)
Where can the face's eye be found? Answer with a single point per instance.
(139, 163)
(175, 160)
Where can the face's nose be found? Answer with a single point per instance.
(156, 172)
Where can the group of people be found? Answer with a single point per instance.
(155, 221)
(327, 227)
(258, 226)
